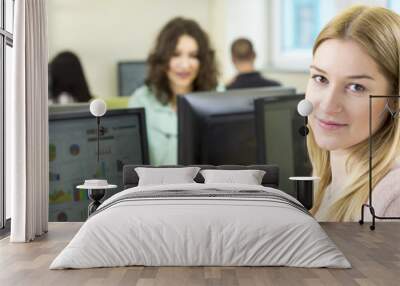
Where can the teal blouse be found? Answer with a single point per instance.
(162, 127)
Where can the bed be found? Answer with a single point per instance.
(201, 224)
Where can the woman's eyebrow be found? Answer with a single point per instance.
(358, 76)
(317, 68)
(361, 76)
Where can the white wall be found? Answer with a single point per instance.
(103, 32)
(231, 19)
(294, 79)
(217, 31)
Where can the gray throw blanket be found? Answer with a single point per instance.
(206, 194)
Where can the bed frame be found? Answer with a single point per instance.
(271, 178)
(130, 178)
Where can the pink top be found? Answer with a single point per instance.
(385, 198)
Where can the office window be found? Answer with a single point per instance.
(296, 24)
(6, 43)
(302, 21)
(394, 5)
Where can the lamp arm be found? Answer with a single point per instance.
(98, 140)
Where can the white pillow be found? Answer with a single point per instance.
(165, 176)
(248, 177)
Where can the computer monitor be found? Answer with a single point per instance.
(73, 156)
(131, 75)
(77, 106)
(279, 140)
(218, 127)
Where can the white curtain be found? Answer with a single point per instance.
(27, 123)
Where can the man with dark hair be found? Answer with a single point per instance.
(243, 57)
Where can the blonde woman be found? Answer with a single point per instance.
(355, 55)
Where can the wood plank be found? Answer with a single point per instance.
(375, 257)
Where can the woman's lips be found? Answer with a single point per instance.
(330, 125)
(183, 75)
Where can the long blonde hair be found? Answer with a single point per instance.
(377, 30)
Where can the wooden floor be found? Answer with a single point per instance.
(374, 255)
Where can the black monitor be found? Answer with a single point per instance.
(73, 156)
(131, 75)
(218, 128)
(279, 140)
(76, 106)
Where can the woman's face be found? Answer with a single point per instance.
(342, 76)
(184, 65)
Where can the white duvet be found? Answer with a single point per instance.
(200, 231)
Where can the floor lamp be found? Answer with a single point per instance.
(96, 187)
(305, 184)
(369, 205)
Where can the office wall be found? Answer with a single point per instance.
(103, 32)
(230, 19)
(295, 79)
